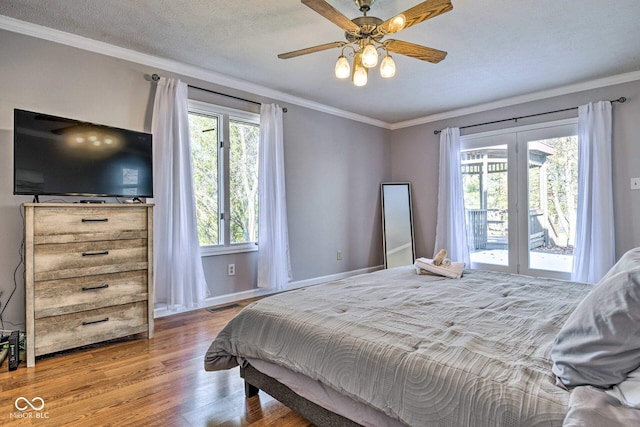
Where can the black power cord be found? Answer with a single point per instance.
(15, 280)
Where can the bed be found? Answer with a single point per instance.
(394, 348)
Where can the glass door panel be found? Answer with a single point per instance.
(486, 187)
(520, 192)
(552, 188)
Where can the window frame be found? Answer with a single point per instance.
(515, 138)
(225, 116)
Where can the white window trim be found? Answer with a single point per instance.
(213, 109)
(235, 248)
(514, 129)
(210, 109)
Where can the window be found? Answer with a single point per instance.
(520, 193)
(224, 153)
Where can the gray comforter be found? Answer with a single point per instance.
(423, 349)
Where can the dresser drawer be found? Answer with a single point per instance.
(58, 261)
(63, 296)
(54, 225)
(73, 330)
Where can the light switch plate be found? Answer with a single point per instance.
(635, 183)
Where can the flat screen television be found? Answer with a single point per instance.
(60, 156)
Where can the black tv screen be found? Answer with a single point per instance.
(59, 156)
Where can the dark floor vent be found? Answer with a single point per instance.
(224, 307)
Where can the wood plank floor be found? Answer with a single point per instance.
(140, 382)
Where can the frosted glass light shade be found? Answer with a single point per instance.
(397, 23)
(360, 76)
(369, 56)
(343, 69)
(387, 67)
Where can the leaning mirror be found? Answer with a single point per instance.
(397, 224)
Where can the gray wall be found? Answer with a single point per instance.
(333, 171)
(333, 165)
(415, 156)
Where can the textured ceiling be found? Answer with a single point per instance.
(496, 48)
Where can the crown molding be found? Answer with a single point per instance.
(535, 96)
(84, 43)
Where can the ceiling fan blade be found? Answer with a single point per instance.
(415, 51)
(311, 50)
(415, 15)
(329, 12)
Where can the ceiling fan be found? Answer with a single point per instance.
(365, 35)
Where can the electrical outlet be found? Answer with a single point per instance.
(231, 269)
(339, 255)
(635, 183)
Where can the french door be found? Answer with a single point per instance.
(520, 191)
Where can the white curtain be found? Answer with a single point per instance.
(594, 252)
(274, 265)
(179, 278)
(451, 232)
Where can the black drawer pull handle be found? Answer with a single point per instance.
(95, 253)
(106, 319)
(93, 288)
(95, 220)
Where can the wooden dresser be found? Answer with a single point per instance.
(88, 274)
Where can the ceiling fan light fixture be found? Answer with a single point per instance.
(397, 23)
(360, 73)
(387, 67)
(369, 56)
(343, 69)
(360, 76)
(364, 36)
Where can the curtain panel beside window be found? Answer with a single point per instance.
(274, 265)
(594, 253)
(178, 274)
(451, 232)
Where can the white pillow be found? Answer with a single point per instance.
(599, 343)
(629, 261)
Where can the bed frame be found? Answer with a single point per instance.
(255, 381)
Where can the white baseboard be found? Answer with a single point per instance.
(252, 293)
